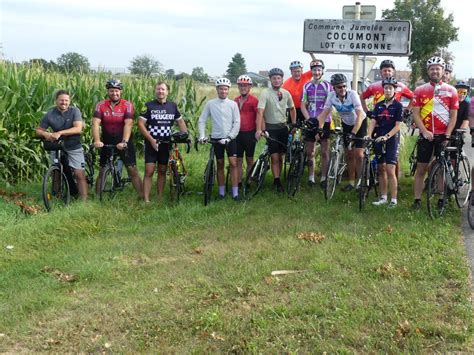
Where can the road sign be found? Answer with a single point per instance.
(357, 37)
(367, 12)
(365, 65)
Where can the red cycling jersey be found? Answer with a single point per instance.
(248, 113)
(375, 90)
(113, 119)
(296, 87)
(435, 101)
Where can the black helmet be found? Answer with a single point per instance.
(462, 85)
(448, 67)
(180, 136)
(387, 63)
(113, 84)
(389, 81)
(275, 71)
(338, 79)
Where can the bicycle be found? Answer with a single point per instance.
(89, 157)
(210, 172)
(337, 163)
(112, 180)
(368, 179)
(58, 183)
(446, 180)
(470, 209)
(412, 159)
(296, 152)
(176, 170)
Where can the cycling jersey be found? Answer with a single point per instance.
(160, 117)
(296, 87)
(347, 107)
(225, 118)
(274, 103)
(387, 116)
(435, 101)
(375, 90)
(315, 95)
(463, 113)
(112, 119)
(248, 113)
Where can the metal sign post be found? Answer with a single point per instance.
(355, 67)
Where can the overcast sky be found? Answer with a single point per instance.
(183, 34)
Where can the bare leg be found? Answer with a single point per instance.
(147, 179)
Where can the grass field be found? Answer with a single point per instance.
(129, 277)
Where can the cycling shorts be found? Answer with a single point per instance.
(391, 150)
(310, 136)
(361, 133)
(280, 135)
(246, 144)
(230, 148)
(161, 156)
(427, 148)
(128, 156)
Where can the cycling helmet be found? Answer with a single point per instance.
(316, 63)
(389, 81)
(296, 64)
(387, 63)
(462, 85)
(244, 79)
(223, 81)
(275, 71)
(435, 61)
(114, 84)
(338, 79)
(448, 67)
(180, 136)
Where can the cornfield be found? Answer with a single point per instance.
(27, 92)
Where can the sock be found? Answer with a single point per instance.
(222, 190)
(235, 191)
(351, 182)
(277, 181)
(323, 178)
(394, 200)
(311, 178)
(383, 197)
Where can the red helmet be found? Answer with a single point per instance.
(244, 79)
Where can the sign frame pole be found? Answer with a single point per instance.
(355, 67)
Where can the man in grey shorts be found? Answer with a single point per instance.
(66, 122)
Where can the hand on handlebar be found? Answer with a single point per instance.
(380, 139)
(224, 141)
(121, 146)
(202, 140)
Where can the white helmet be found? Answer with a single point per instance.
(435, 61)
(223, 81)
(244, 79)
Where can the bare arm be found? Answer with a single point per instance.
(323, 115)
(96, 132)
(293, 115)
(182, 125)
(452, 121)
(359, 119)
(304, 110)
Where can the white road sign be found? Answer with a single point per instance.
(357, 37)
(367, 12)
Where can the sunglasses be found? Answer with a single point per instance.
(462, 92)
(280, 96)
(340, 86)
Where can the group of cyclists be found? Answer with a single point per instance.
(236, 125)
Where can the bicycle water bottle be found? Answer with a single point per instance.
(374, 163)
(118, 167)
(297, 135)
(290, 138)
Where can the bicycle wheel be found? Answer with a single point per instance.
(295, 172)
(256, 177)
(175, 183)
(332, 176)
(107, 184)
(364, 182)
(412, 160)
(470, 210)
(463, 182)
(89, 170)
(55, 189)
(437, 192)
(208, 181)
(227, 180)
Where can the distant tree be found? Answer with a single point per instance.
(73, 62)
(145, 65)
(236, 67)
(51, 65)
(198, 74)
(181, 76)
(431, 30)
(170, 73)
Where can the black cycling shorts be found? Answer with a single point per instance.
(427, 148)
(391, 150)
(246, 144)
(161, 156)
(230, 148)
(128, 155)
(280, 135)
(361, 133)
(310, 135)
